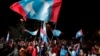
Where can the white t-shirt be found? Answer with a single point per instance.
(51, 54)
(73, 53)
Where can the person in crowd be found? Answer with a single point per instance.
(55, 49)
(22, 51)
(29, 49)
(34, 52)
(63, 51)
(51, 53)
(81, 53)
(74, 49)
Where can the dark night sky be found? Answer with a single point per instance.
(73, 16)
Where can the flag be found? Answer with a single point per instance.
(32, 32)
(56, 32)
(19, 9)
(79, 34)
(44, 37)
(42, 10)
(43, 33)
(7, 38)
(55, 10)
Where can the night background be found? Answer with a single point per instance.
(73, 16)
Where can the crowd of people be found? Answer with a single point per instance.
(54, 47)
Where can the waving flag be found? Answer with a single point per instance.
(79, 33)
(56, 32)
(32, 32)
(19, 9)
(55, 10)
(7, 38)
(42, 10)
(43, 33)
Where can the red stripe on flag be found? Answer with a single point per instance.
(19, 9)
(42, 31)
(55, 10)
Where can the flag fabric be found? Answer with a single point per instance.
(42, 10)
(7, 38)
(44, 38)
(32, 32)
(43, 33)
(19, 9)
(56, 32)
(55, 10)
(79, 34)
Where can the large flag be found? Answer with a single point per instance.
(56, 32)
(42, 10)
(7, 38)
(79, 34)
(32, 32)
(43, 33)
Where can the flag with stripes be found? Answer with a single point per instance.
(43, 33)
(43, 10)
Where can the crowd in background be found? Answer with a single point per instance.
(57, 47)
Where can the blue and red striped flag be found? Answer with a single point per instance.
(43, 10)
(43, 33)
